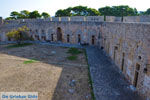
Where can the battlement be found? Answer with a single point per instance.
(83, 19)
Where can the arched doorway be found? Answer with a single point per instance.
(59, 34)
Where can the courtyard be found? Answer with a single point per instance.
(51, 71)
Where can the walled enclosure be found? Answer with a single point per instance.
(128, 44)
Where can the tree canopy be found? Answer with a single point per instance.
(24, 14)
(34, 14)
(77, 11)
(122, 10)
(45, 15)
(118, 11)
(147, 12)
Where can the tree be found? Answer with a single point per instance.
(62, 13)
(84, 11)
(34, 14)
(15, 15)
(122, 10)
(93, 12)
(77, 11)
(19, 34)
(147, 12)
(24, 14)
(10, 18)
(107, 11)
(45, 15)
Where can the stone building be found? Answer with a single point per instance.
(128, 44)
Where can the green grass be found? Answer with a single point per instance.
(30, 61)
(72, 57)
(74, 51)
(90, 79)
(18, 45)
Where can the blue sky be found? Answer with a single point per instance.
(51, 6)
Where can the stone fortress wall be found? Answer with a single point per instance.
(128, 44)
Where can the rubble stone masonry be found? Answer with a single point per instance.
(128, 44)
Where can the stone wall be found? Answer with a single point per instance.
(128, 44)
(95, 18)
(113, 19)
(137, 19)
(49, 29)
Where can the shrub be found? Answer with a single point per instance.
(19, 34)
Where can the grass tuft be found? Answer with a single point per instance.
(72, 57)
(18, 45)
(30, 61)
(74, 51)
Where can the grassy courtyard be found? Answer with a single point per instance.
(56, 73)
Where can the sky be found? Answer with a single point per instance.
(51, 6)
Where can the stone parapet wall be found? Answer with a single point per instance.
(113, 19)
(137, 19)
(84, 18)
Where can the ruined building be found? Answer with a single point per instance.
(127, 43)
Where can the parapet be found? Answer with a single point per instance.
(83, 18)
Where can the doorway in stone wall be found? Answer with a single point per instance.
(93, 39)
(115, 51)
(59, 34)
(79, 38)
(52, 38)
(122, 64)
(136, 75)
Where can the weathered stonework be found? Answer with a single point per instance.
(128, 44)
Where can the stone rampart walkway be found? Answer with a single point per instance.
(108, 83)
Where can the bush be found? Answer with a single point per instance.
(19, 34)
